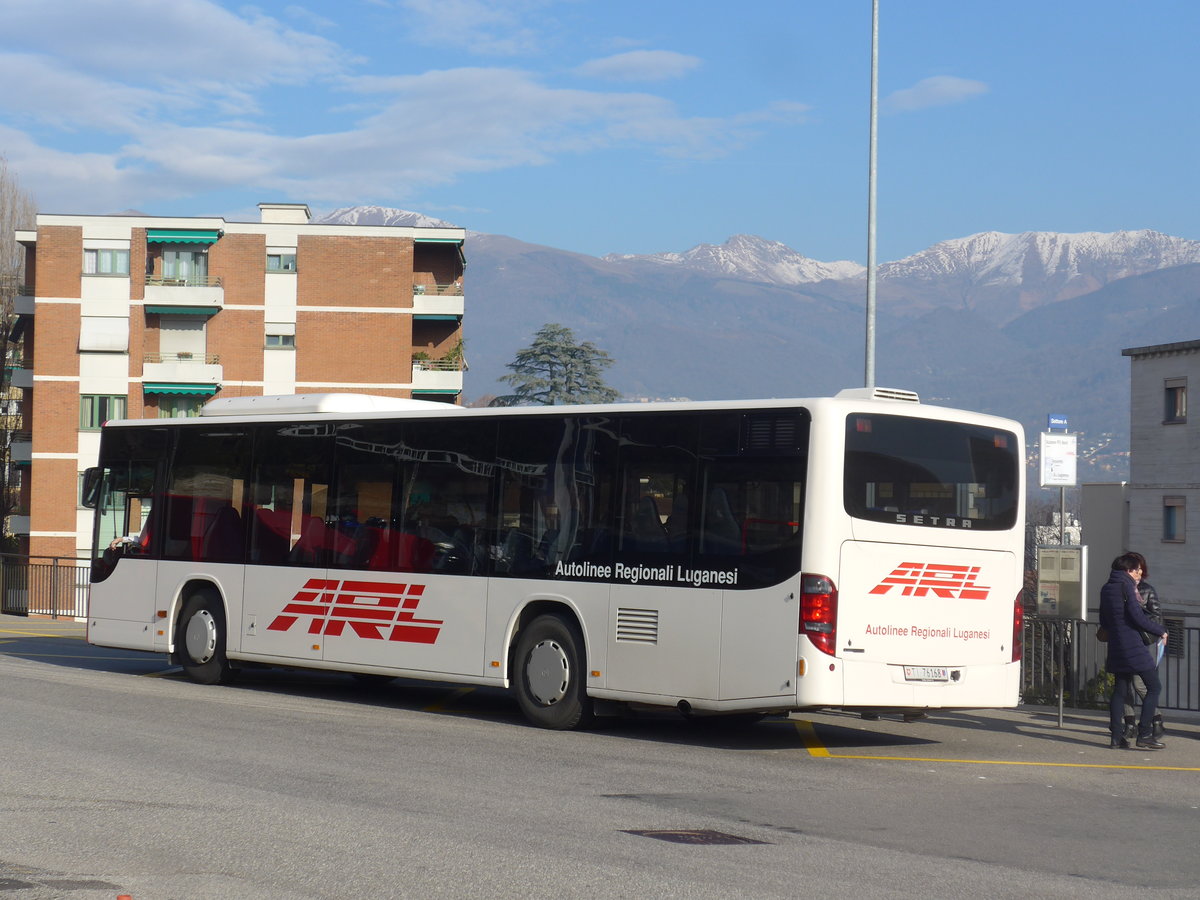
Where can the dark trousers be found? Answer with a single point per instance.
(1116, 703)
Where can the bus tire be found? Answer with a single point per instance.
(549, 676)
(200, 638)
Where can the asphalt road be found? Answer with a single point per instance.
(120, 777)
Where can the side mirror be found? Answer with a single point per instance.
(93, 478)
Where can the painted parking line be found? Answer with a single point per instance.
(812, 743)
(21, 633)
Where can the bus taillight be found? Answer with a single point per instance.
(818, 611)
(1018, 636)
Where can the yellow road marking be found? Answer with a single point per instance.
(71, 656)
(454, 695)
(37, 633)
(808, 734)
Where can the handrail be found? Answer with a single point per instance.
(442, 290)
(198, 359)
(190, 281)
(438, 365)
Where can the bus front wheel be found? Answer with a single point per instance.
(549, 675)
(200, 638)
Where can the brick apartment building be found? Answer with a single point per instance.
(140, 316)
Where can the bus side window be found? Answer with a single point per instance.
(721, 531)
(206, 495)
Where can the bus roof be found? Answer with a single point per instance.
(314, 407)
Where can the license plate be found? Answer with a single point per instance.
(926, 673)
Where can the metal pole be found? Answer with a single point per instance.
(871, 172)
(1062, 655)
(1062, 517)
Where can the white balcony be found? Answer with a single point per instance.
(442, 300)
(437, 376)
(182, 368)
(199, 293)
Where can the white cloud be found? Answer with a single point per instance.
(940, 90)
(485, 27)
(168, 42)
(58, 96)
(178, 118)
(640, 65)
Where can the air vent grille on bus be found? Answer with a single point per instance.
(878, 393)
(639, 626)
(770, 431)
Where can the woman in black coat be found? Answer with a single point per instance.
(1121, 615)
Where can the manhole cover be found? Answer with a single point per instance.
(698, 836)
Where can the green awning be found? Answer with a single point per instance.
(433, 391)
(438, 317)
(184, 310)
(150, 388)
(182, 236)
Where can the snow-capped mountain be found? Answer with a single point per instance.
(995, 258)
(381, 215)
(752, 258)
(1016, 324)
(1001, 276)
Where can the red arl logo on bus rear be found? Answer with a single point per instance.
(934, 580)
(374, 610)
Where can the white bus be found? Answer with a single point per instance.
(861, 552)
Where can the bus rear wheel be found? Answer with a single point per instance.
(200, 638)
(549, 674)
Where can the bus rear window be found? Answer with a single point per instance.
(930, 473)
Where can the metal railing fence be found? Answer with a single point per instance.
(1085, 683)
(44, 586)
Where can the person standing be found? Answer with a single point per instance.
(1123, 617)
(1151, 605)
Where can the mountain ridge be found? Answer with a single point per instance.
(1017, 325)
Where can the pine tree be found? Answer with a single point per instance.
(556, 370)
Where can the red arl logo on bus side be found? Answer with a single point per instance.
(370, 608)
(934, 580)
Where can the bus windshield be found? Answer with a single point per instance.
(915, 471)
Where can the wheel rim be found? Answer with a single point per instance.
(548, 672)
(200, 639)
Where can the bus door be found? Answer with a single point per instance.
(125, 539)
(664, 625)
(290, 541)
(409, 528)
(749, 531)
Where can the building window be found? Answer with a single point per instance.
(106, 262)
(96, 409)
(180, 406)
(281, 342)
(281, 262)
(1174, 519)
(186, 265)
(1175, 397)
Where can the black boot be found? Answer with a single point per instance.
(1130, 728)
(1157, 724)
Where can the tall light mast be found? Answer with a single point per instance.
(871, 167)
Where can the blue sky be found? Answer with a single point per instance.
(629, 126)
